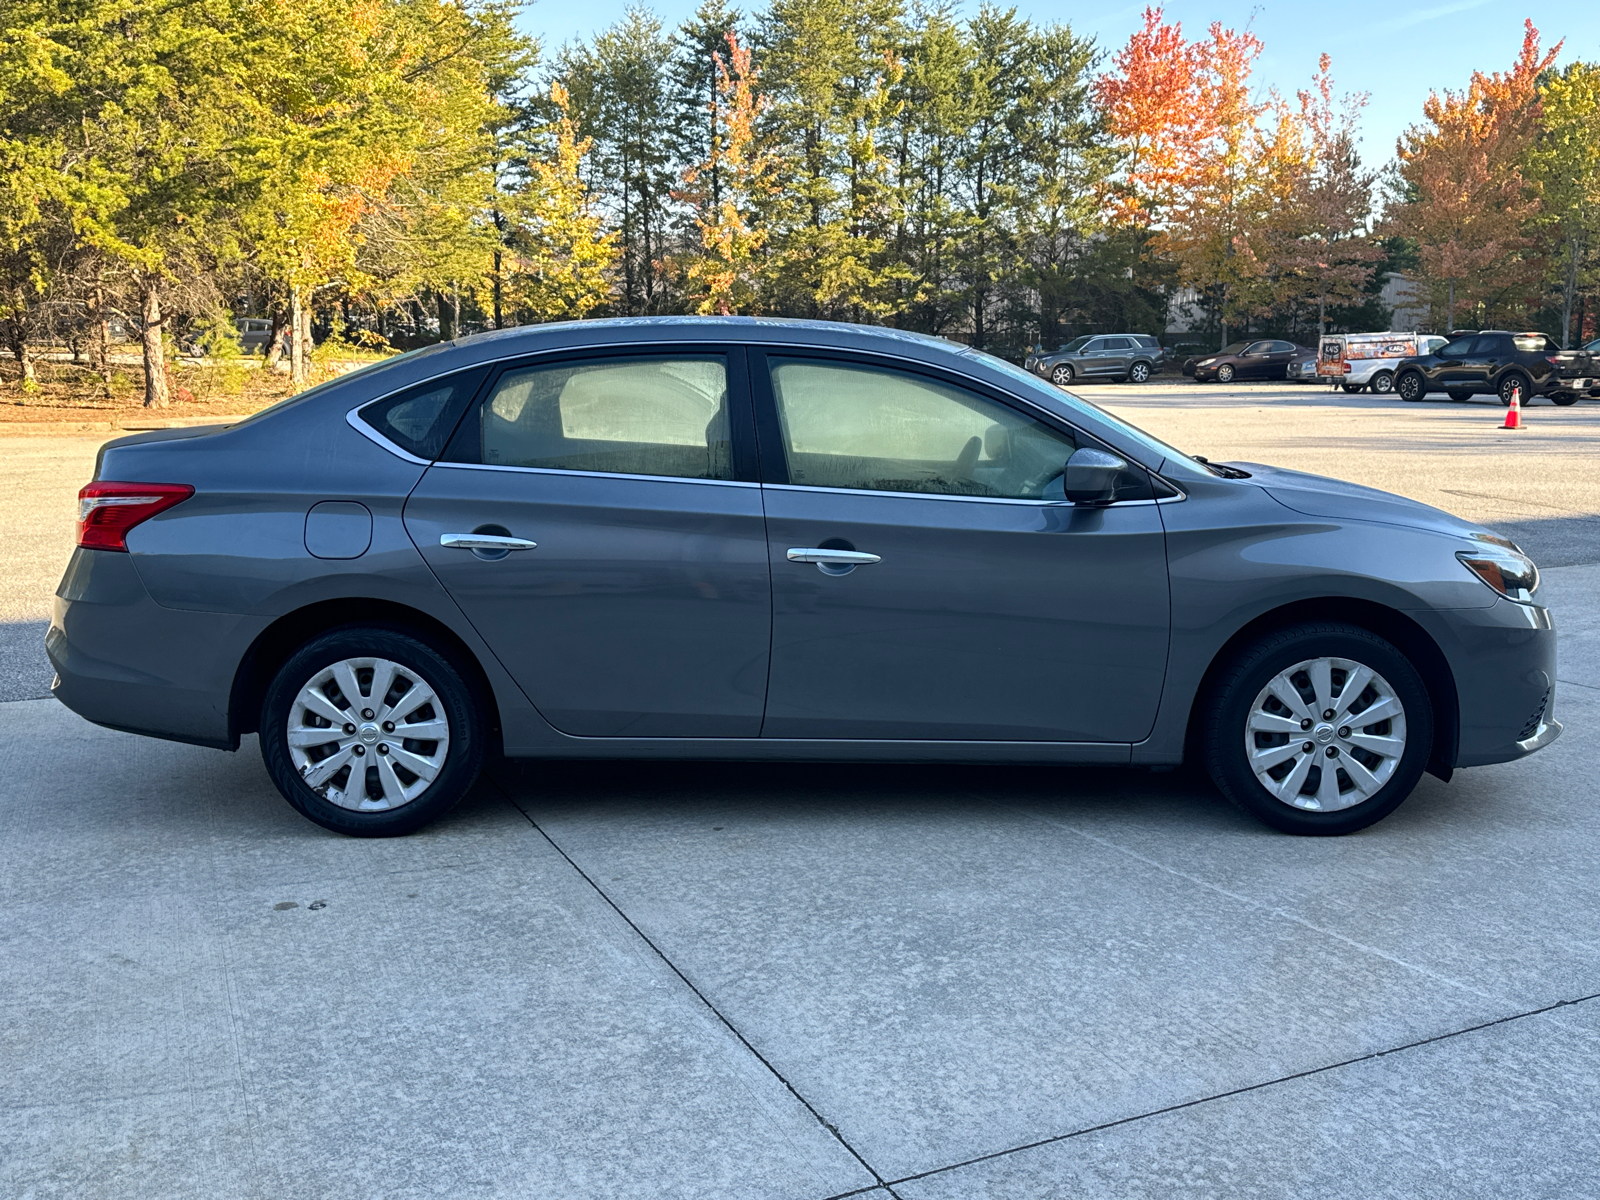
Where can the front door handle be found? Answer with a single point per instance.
(831, 558)
(484, 541)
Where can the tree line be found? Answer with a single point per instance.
(386, 172)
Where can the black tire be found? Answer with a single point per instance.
(1139, 372)
(1564, 399)
(1411, 386)
(1460, 397)
(464, 752)
(1515, 381)
(1229, 703)
(1382, 383)
(1225, 373)
(1352, 388)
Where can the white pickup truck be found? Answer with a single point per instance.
(1366, 360)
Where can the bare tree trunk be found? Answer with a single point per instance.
(1450, 309)
(274, 346)
(297, 339)
(1569, 285)
(1322, 316)
(102, 342)
(455, 310)
(446, 330)
(156, 393)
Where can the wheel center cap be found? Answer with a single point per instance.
(1323, 734)
(370, 733)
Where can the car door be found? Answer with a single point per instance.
(1452, 371)
(1253, 362)
(930, 581)
(1090, 360)
(633, 597)
(1115, 355)
(1480, 367)
(1279, 357)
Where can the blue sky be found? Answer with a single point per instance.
(1395, 52)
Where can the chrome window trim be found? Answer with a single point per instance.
(353, 419)
(804, 487)
(460, 466)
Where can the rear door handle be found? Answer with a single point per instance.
(484, 541)
(835, 558)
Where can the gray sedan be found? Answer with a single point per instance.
(756, 539)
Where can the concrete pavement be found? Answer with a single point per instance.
(733, 980)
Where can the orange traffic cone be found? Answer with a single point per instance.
(1514, 413)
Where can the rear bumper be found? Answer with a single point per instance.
(123, 661)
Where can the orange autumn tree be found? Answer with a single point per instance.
(1200, 168)
(1465, 200)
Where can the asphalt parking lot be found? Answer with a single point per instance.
(692, 980)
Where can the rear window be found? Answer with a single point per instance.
(1534, 343)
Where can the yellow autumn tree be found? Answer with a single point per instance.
(562, 256)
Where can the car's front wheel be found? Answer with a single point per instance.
(1062, 375)
(1139, 372)
(1225, 373)
(371, 732)
(1518, 384)
(1411, 386)
(1319, 729)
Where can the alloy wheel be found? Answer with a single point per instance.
(1383, 383)
(1410, 386)
(1061, 376)
(1225, 373)
(1325, 734)
(368, 734)
(1139, 372)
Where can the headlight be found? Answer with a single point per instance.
(1206, 362)
(1502, 565)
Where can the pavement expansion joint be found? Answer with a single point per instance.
(833, 1130)
(1247, 1088)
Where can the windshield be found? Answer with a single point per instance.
(1234, 348)
(1074, 344)
(1176, 460)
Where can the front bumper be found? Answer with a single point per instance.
(1503, 658)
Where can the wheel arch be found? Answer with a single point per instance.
(274, 645)
(1394, 626)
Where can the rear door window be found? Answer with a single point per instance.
(1493, 344)
(634, 415)
(1118, 343)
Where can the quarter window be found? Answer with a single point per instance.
(861, 427)
(631, 416)
(1118, 343)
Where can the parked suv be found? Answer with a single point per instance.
(1496, 362)
(1118, 356)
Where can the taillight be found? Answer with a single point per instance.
(106, 511)
(1344, 367)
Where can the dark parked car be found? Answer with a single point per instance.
(254, 333)
(1117, 356)
(1266, 358)
(728, 538)
(1495, 362)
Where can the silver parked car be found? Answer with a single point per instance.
(761, 539)
(1115, 356)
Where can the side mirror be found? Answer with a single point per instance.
(1091, 476)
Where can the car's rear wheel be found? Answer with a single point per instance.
(1459, 397)
(371, 732)
(1225, 373)
(1352, 388)
(1515, 383)
(1565, 398)
(1411, 385)
(1139, 372)
(1382, 383)
(1062, 375)
(1319, 729)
